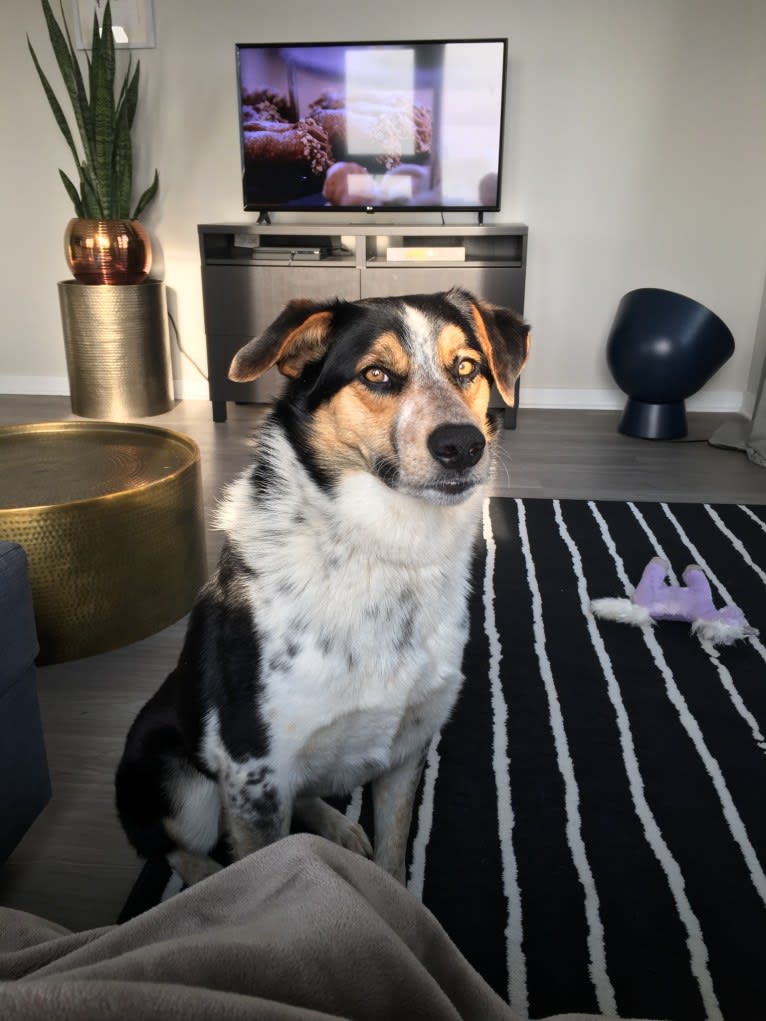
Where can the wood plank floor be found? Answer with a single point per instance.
(74, 865)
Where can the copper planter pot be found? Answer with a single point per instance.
(107, 251)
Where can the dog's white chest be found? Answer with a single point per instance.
(366, 680)
(362, 628)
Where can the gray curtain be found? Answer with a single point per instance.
(750, 434)
(744, 434)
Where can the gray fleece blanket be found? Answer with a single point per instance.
(302, 930)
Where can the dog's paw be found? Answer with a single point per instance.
(328, 822)
(337, 827)
(192, 868)
(351, 835)
(333, 825)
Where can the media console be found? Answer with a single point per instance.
(250, 272)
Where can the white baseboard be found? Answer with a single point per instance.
(191, 390)
(58, 386)
(553, 398)
(561, 399)
(35, 386)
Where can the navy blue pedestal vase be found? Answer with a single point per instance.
(661, 349)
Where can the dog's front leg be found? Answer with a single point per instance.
(393, 795)
(256, 811)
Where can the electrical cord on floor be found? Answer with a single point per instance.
(675, 443)
(186, 354)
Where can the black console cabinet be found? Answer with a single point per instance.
(250, 271)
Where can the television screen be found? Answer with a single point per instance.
(396, 125)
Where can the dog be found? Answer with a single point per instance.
(325, 651)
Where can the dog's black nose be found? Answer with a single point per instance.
(457, 446)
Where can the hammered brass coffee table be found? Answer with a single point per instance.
(111, 518)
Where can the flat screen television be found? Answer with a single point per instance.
(372, 125)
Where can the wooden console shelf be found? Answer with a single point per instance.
(250, 272)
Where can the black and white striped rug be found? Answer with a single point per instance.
(591, 829)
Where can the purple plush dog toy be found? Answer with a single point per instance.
(654, 599)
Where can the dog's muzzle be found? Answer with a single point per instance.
(451, 471)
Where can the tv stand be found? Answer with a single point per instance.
(250, 271)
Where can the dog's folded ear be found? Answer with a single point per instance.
(299, 335)
(504, 339)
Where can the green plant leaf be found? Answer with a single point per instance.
(90, 198)
(55, 106)
(77, 91)
(123, 163)
(131, 93)
(102, 107)
(69, 68)
(124, 87)
(73, 194)
(147, 197)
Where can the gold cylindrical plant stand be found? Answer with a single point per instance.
(117, 349)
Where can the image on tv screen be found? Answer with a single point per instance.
(392, 125)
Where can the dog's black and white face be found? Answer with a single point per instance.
(398, 387)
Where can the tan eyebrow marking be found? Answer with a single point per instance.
(386, 351)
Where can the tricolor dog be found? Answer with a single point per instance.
(325, 652)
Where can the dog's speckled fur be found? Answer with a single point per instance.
(326, 650)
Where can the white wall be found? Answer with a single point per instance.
(635, 151)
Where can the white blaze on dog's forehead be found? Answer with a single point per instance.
(407, 416)
(420, 333)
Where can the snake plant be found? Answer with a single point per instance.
(103, 119)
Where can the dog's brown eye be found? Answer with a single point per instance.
(466, 368)
(376, 375)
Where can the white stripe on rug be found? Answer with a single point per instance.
(714, 580)
(737, 544)
(695, 942)
(599, 975)
(354, 807)
(691, 726)
(724, 674)
(425, 820)
(658, 550)
(753, 516)
(515, 959)
(173, 886)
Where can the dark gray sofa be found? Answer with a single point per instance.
(25, 787)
